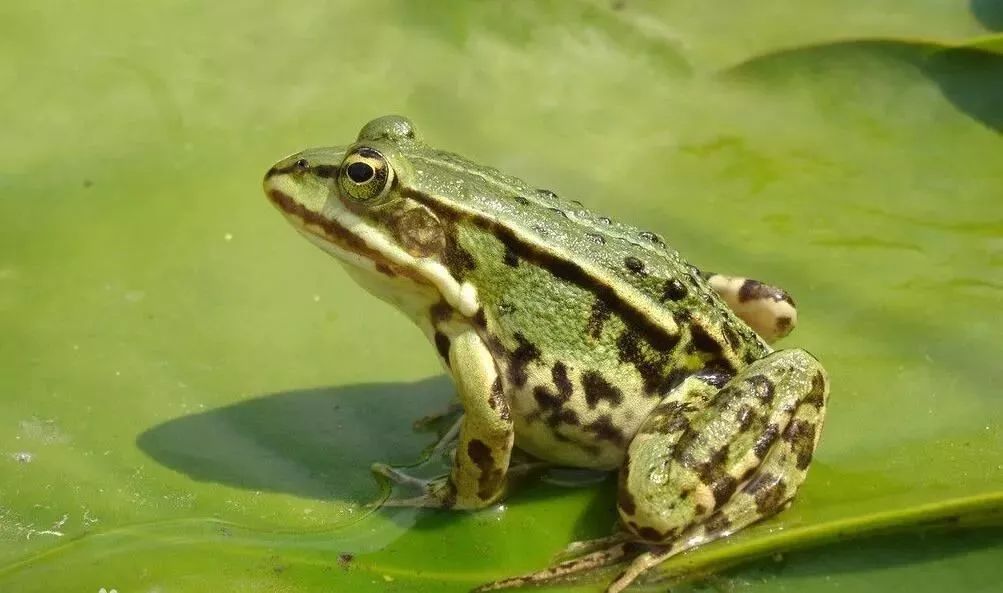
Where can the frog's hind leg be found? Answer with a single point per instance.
(768, 310)
(708, 462)
(591, 561)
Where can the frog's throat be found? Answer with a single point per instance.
(354, 242)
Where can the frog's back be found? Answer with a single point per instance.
(592, 321)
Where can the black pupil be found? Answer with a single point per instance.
(360, 172)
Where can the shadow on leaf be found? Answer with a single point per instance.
(989, 13)
(970, 78)
(315, 443)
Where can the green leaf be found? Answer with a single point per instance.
(192, 395)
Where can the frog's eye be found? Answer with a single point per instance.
(366, 175)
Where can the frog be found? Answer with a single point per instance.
(573, 339)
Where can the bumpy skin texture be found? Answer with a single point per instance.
(581, 340)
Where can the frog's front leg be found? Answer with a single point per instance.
(481, 461)
(767, 309)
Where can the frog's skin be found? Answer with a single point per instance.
(583, 341)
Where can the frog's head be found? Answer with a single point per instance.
(354, 202)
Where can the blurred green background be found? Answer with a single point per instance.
(191, 395)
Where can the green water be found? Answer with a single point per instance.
(191, 395)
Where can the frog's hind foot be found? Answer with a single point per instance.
(615, 554)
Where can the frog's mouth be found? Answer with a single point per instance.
(336, 239)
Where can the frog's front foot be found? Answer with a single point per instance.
(438, 493)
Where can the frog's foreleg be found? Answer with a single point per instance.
(714, 461)
(768, 310)
(486, 435)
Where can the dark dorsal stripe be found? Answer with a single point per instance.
(659, 337)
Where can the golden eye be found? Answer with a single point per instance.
(366, 175)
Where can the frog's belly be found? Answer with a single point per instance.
(574, 434)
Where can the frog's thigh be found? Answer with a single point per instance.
(486, 432)
(769, 310)
(708, 462)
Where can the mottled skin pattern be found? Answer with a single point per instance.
(581, 340)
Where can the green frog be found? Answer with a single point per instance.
(575, 338)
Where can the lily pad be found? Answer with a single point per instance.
(192, 394)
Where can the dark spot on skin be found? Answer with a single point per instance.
(651, 534)
(457, 260)
(652, 237)
(768, 490)
(717, 523)
(597, 318)
(766, 440)
(596, 238)
(519, 360)
(598, 389)
(554, 400)
(510, 258)
(442, 345)
(480, 320)
(344, 559)
(440, 311)
(635, 266)
(715, 374)
(547, 193)
(630, 352)
(497, 401)
(761, 387)
(558, 211)
(506, 308)
(384, 269)
(490, 477)
(755, 290)
(559, 374)
(723, 490)
(604, 429)
(816, 396)
(783, 325)
(523, 200)
(563, 416)
(703, 341)
(673, 290)
(745, 418)
(699, 510)
(731, 336)
(801, 435)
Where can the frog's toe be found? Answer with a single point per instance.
(567, 569)
(584, 547)
(397, 476)
(425, 501)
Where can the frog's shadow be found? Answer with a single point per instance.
(314, 443)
